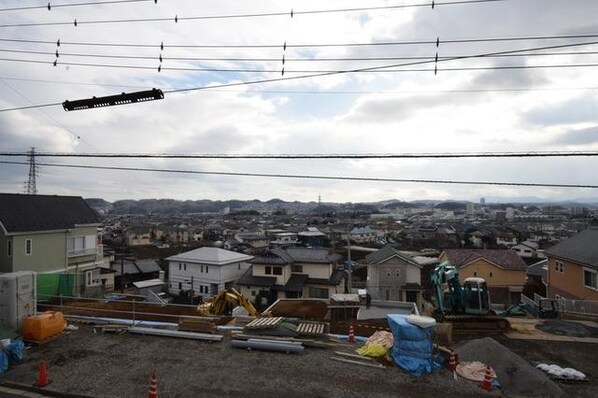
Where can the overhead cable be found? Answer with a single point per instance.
(314, 177)
(290, 13)
(308, 45)
(51, 5)
(532, 154)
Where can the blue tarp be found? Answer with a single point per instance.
(412, 347)
(13, 352)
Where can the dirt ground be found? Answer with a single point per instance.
(119, 365)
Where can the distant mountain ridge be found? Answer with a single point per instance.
(180, 207)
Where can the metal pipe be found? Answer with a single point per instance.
(268, 346)
(176, 333)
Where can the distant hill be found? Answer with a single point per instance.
(451, 206)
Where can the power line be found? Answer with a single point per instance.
(343, 92)
(535, 154)
(270, 59)
(356, 70)
(49, 6)
(381, 69)
(308, 45)
(313, 177)
(292, 13)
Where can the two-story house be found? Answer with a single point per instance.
(393, 276)
(51, 235)
(503, 270)
(573, 267)
(294, 272)
(205, 271)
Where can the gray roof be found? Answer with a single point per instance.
(210, 255)
(387, 252)
(538, 268)
(147, 266)
(296, 282)
(248, 279)
(581, 248)
(30, 213)
(290, 255)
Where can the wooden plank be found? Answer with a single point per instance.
(350, 355)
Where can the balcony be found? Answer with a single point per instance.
(82, 252)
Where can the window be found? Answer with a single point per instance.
(9, 248)
(490, 274)
(268, 270)
(185, 267)
(277, 270)
(387, 294)
(201, 269)
(388, 272)
(28, 247)
(92, 277)
(475, 273)
(318, 292)
(253, 293)
(180, 285)
(590, 278)
(297, 268)
(207, 269)
(81, 245)
(560, 267)
(239, 266)
(180, 267)
(398, 272)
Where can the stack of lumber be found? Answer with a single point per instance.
(196, 324)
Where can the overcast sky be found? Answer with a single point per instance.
(488, 105)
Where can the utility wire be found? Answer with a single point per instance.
(535, 154)
(270, 59)
(49, 6)
(312, 177)
(320, 72)
(308, 45)
(343, 92)
(367, 69)
(290, 13)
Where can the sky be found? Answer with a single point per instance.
(524, 99)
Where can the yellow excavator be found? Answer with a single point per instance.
(224, 302)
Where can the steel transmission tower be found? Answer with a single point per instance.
(30, 188)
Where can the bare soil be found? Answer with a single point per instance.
(119, 365)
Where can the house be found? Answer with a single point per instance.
(284, 239)
(393, 276)
(528, 249)
(537, 275)
(205, 271)
(573, 267)
(503, 270)
(312, 237)
(53, 235)
(294, 272)
(130, 271)
(363, 235)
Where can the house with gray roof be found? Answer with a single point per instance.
(393, 276)
(573, 267)
(294, 272)
(205, 271)
(51, 234)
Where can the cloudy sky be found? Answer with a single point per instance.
(527, 99)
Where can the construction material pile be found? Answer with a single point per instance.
(516, 376)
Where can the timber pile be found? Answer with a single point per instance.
(200, 325)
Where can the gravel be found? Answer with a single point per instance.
(119, 365)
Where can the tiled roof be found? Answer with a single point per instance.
(505, 259)
(335, 279)
(296, 282)
(387, 252)
(248, 279)
(290, 255)
(210, 255)
(581, 248)
(30, 213)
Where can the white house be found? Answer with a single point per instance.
(206, 270)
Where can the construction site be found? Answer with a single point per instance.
(123, 346)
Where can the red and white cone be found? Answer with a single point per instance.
(453, 364)
(153, 391)
(487, 383)
(351, 334)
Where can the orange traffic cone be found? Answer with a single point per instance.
(351, 334)
(487, 383)
(42, 376)
(153, 391)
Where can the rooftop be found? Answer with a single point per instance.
(211, 256)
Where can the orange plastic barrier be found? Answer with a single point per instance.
(43, 326)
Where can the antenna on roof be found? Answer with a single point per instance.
(30, 187)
